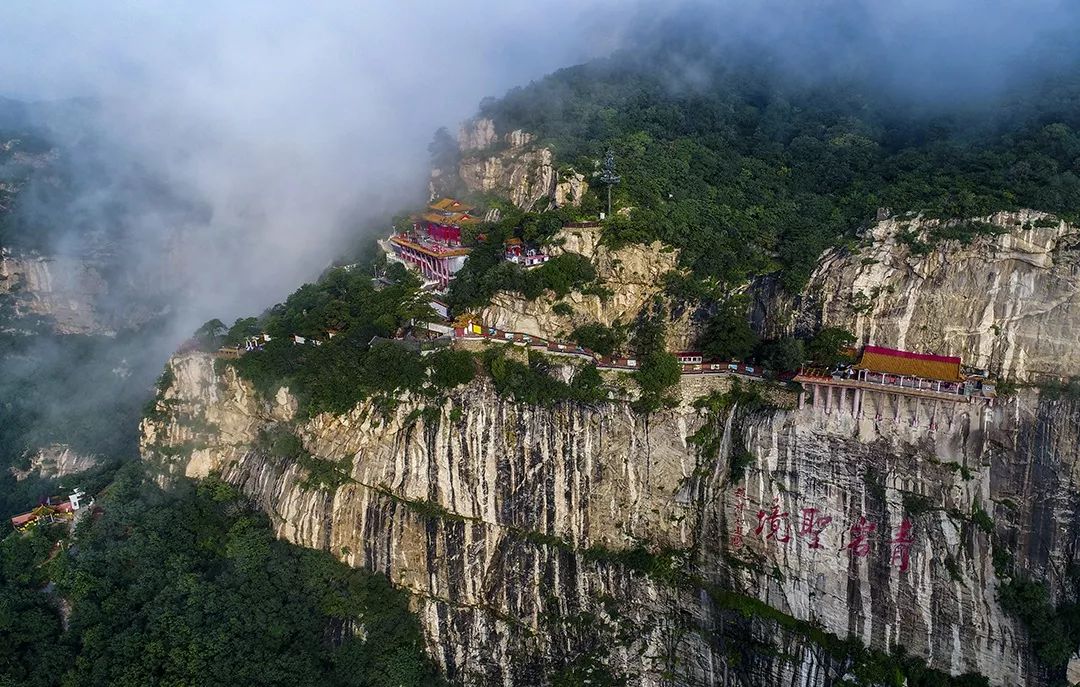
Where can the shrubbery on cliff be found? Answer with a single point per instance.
(533, 382)
(344, 369)
(355, 365)
(486, 272)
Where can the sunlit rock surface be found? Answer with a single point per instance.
(506, 523)
(510, 166)
(1007, 302)
(629, 277)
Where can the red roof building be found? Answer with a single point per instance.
(433, 246)
(54, 509)
(892, 361)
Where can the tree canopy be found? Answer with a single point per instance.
(750, 172)
(190, 587)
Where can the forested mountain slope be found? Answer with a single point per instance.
(750, 170)
(555, 524)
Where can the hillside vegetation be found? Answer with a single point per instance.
(751, 173)
(191, 588)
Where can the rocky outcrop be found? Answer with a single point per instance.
(629, 279)
(510, 166)
(65, 290)
(523, 176)
(570, 188)
(1005, 301)
(476, 134)
(54, 461)
(539, 540)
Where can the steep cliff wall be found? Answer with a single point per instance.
(511, 166)
(575, 538)
(62, 289)
(56, 460)
(1006, 302)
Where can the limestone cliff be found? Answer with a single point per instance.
(65, 290)
(629, 278)
(1007, 300)
(510, 166)
(539, 540)
(55, 460)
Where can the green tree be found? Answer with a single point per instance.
(784, 354)
(728, 336)
(242, 329)
(211, 333)
(658, 371)
(830, 346)
(598, 338)
(450, 369)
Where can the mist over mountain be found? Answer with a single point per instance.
(286, 132)
(171, 164)
(794, 180)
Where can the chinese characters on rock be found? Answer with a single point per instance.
(740, 506)
(861, 538)
(811, 525)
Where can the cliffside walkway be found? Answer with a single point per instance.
(904, 386)
(692, 363)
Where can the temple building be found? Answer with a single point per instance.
(433, 245)
(922, 377)
(882, 365)
(53, 509)
(517, 252)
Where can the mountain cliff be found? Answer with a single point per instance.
(745, 539)
(510, 166)
(748, 534)
(1001, 291)
(513, 526)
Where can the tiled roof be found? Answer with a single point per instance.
(429, 249)
(452, 219)
(908, 364)
(20, 520)
(450, 205)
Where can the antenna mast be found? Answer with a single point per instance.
(608, 176)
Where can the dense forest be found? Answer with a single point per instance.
(751, 171)
(190, 587)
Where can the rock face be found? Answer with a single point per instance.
(476, 134)
(728, 544)
(94, 294)
(540, 540)
(512, 167)
(53, 461)
(631, 277)
(62, 289)
(1005, 302)
(570, 189)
